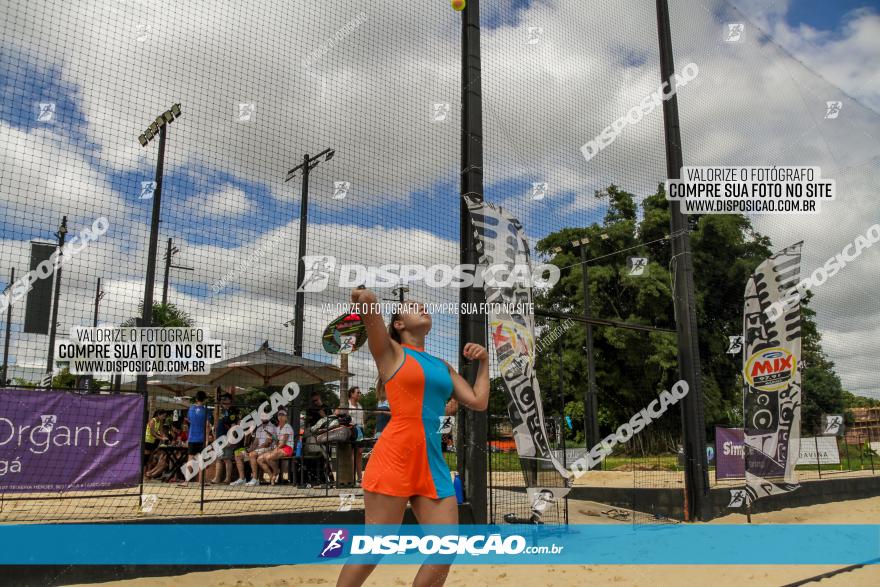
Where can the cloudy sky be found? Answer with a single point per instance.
(366, 79)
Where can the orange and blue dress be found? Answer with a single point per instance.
(407, 459)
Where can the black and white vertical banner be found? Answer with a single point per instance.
(772, 394)
(502, 243)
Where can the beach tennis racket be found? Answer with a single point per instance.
(345, 334)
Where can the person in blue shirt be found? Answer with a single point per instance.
(198, 417)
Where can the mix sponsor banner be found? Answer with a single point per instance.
(772, 377)
(54, 441)
(819, 449)
(222, 544)
(502, 243)
(729, 462)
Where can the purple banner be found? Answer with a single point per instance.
(729, 461)
(54, 441)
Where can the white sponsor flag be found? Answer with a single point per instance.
(772, 393)
(500, 241)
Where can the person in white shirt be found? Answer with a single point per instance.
(268, 461)
(262, 441)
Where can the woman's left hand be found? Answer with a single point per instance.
(475, 352)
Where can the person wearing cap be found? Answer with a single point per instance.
(262, 441)
(284, 448)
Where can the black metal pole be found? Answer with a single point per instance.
(299, 307)
(97, 302)
(591, 400)
(147, 315)
(167, 272)
(472, 438)
(53, 323)
(562, 422)
(8, 333)
(693, 419)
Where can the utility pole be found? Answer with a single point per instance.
(696, 476)
(170, 251)
(591, 400)
(306, 166)
(471, 440)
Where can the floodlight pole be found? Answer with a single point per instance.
(147, 314)
(8, 331)
(471, 439)
(696, 477)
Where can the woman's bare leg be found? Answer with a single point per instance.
(434, 511)
(378, 509)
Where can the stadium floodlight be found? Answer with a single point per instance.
(329, 155)
(556, 250)
(152, 131)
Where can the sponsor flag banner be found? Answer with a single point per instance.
(772, 377)
(501, 242)
(819, 449)
(53, 441)
(729, 463)
(39, 299)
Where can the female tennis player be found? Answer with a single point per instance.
(407, 463)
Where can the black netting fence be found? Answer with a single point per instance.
(366, 99)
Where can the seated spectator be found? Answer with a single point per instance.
(152, 437)
(261, 442)
(284, 448)
(226, 418)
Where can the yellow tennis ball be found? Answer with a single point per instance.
(458, 5)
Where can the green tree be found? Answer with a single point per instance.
(164, 315)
